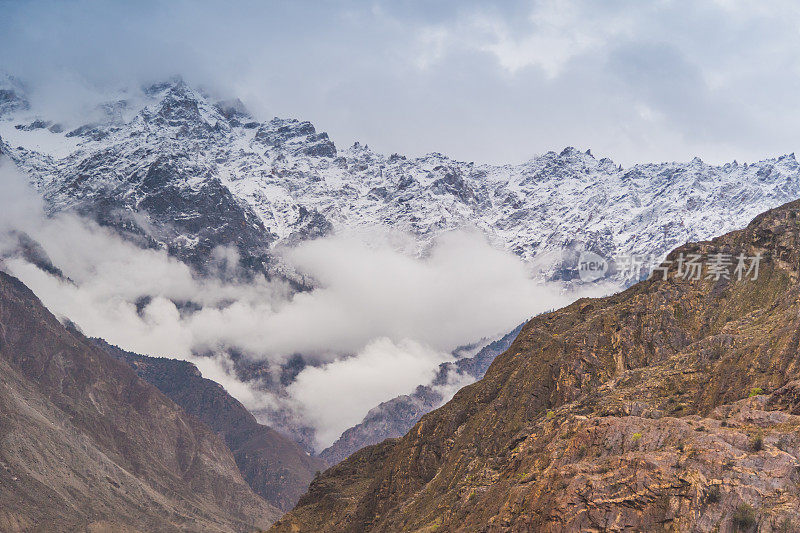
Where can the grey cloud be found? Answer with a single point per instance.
(499, 83)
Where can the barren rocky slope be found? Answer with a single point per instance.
(275, 467)
(672, 406)
(85, 445)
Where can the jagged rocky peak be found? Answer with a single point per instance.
(234, 110)
(175, 106)
(279, 131)
(180, 102)
(278, 172)
(569, 154)
(301, 138)
(39, 124)
(158, 87)
(183, 107)
(569, 151)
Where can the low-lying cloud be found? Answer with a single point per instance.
(379, 322)
(336, 396)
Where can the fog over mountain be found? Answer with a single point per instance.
(293, 271)
(390, 266)
(367, 326)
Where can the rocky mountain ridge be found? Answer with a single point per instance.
(85, 445)
(394, 418)
(669, 406)
(153, 165)
(275, 467)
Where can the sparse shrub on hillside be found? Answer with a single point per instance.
(757, 442)
(744, 517)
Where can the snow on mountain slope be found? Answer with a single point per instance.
(172, 168)
(191, 175)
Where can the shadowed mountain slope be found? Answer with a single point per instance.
(274, 466)
(86, 445)
(670, 406)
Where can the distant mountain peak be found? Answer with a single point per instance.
(233, 109)
(13, 96)
(290, 179)
(160, 86)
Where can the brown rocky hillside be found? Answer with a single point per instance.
(275, 467)
(672, 406)
(85, 445)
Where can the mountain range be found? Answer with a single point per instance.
(170, 167)
(85, 445)
(671, 406)
(275, 467)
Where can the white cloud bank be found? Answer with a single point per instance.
(338, 395)
(378, 324)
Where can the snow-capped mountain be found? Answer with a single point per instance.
(173, 168)
(170, 167)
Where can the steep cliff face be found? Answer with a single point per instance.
(275, 467)
(670, 406)
(86, 445)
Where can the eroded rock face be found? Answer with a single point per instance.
(627, 413)
(634, 473)
(85, 445)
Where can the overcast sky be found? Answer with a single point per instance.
(632, 80)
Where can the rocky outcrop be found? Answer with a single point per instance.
(145, 180)
(275, 467)
(669, 406)
(85, 445)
